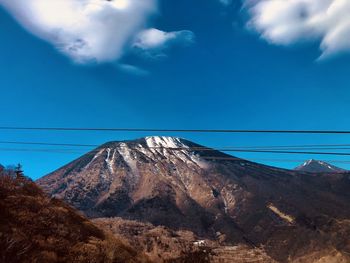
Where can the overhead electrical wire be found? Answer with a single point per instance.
(271, 159)
(296, 149)
(271, 149)
(284, 147)
(229, 158)
(48, 144)
(197, 149)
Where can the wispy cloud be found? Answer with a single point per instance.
(285, 22)
(131, 69)
(154, 41)
(225, 2)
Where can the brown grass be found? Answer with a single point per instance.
(35, 228)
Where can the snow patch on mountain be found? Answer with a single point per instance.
(164, 141)
(126, 153)
(171, 147)
(110, 159)
(94, 158)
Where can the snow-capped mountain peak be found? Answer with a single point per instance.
(316, 166)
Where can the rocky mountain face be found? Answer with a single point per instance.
(171, 182)
(314, 166)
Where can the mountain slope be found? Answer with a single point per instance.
(314, 166)
(35, 228)
(161, 244)
(181, 185)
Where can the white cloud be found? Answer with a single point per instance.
(84, 30)
(152, 43)
(155, 39)
(285, 22)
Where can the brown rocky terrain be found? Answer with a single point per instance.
(159, 243)
(171, 182)
(163, 245)
(36, 228)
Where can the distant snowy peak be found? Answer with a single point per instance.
(315, 166)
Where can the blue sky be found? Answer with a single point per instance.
(204, 70)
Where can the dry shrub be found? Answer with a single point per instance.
(35, 228)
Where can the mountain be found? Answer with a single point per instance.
(172, 182)
(315, 166)
(36, 228)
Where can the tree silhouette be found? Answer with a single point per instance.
(19, 172)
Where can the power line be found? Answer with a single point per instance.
(272, 159)
(229, 158)
(40, 150)
(200, 149)
(249, 149)
(287, 152)
(203, 148)
(293, 147)
(48, 144)
(285, 147)
(176, 130)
